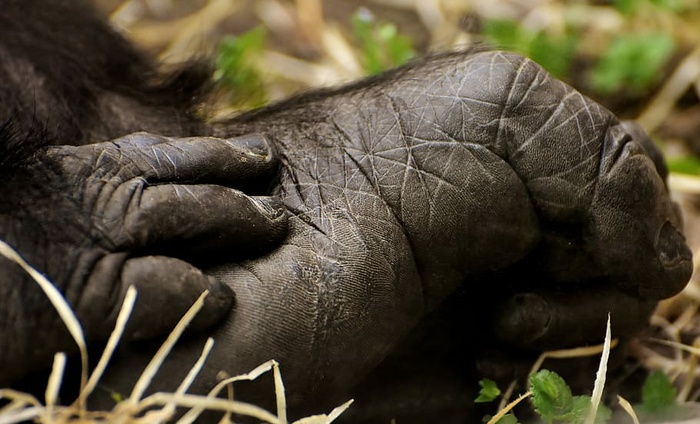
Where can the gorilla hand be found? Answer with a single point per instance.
(470, 165)
(408, 187)
(99, 218)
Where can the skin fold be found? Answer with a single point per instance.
(102, 217)
(456, 170)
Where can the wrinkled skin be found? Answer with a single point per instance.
(423, 203)
(122, 213)
(404, 190)
(97, 218)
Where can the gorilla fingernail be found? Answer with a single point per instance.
(220, 291)
(255, 143)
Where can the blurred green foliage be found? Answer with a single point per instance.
(381, 45)
(554, 52)
(632, 61)
(237, 67)
(684, 165)
(632, 6)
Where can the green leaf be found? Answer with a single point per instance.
(633, 61)
(658, 393)
(579, 410)
(488, 392)
(551, 396)
(508, 419)
(684, 165)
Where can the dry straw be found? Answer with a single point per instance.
(136, 409)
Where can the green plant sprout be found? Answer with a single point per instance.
(381, 45)
(554, 402)
(489, 391)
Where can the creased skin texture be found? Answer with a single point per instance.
(401, 188)
(119, 214)
(97, 217)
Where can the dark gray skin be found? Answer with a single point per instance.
(410, 187)
(96, 218)
(477, 180)
(123, 213)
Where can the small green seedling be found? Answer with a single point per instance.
(551, 396)
(489, 391)
(552, 400)
(381, 45)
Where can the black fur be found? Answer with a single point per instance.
(68, 78)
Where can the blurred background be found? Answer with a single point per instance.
(639, 58)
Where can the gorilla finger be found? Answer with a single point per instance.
(545, 321)
(236, 161)
(166, 289)
(204, 218)
(640, 136)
